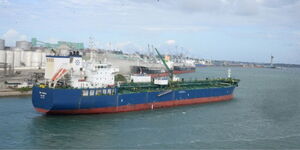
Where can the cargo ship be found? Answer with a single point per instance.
(176, 68)
(75, 86)
(184, 69)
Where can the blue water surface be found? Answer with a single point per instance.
(265, 113)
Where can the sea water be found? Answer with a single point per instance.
(265, 113)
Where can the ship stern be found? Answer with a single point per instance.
(42, 99)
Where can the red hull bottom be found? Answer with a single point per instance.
(137, 107)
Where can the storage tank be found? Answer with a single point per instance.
(2, 44)
(13, 58)
(17, 57)
(9, 57)
(25, 45)
(2, 56)
(27, 55)
(64, 50)
(22, 58)
(44, 59)
(37, 58)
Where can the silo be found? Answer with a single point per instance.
(27, 55)
(9, 57)
(39, 58)
(64, 50)
(22, 58)
(2, 44)
(43, 55)
(17, 57)
(2, 51)
(2, 56)
(36, 58)
(25, 45)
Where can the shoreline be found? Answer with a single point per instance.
(10, 93)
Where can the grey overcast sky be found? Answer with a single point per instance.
(240, 30)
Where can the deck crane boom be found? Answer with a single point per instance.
(165, 64)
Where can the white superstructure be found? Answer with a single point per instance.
(79, 73)
(140, 78)
(190, 62)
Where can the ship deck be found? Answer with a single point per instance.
(181, 85)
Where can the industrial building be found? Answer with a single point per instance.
(22, 56)
(23, 63)
(30, 55)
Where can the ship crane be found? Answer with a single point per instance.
(170, 72)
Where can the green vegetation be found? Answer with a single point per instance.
(24, 89)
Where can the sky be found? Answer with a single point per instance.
(238, 30)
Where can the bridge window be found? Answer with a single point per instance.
(92, 92)
(98, 92)
(109, 91)
(85, 93)
(113, 91)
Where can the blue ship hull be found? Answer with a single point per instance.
(108, 100)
